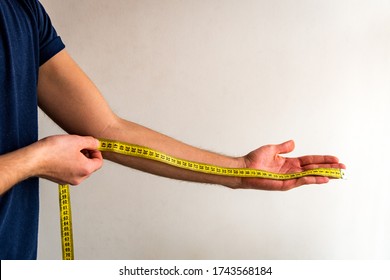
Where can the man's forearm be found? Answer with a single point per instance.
(129, 132)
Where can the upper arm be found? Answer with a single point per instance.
(70, 98)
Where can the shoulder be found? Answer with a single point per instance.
(33, 8)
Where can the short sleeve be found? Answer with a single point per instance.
(49, 42)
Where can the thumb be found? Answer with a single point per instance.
(89, 143)
(285, 147)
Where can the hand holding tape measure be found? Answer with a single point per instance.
(265, 164)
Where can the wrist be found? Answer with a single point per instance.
(17, 166)
(235, 182)
(30, 160)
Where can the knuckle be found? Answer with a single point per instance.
(75, 181)
(85, 172)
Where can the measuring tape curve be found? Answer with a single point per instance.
(148, 153)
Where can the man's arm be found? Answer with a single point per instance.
(70, 98)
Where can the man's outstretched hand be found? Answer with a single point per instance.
(269, 158)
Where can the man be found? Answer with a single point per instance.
(35, 69)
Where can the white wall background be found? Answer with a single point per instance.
(231, 76)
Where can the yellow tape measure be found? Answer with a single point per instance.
(147, 153)
(66, 223)
(144, 152)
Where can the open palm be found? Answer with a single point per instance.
(269, 158)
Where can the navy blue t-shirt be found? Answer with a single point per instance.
(27, 40)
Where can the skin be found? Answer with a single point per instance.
(70, 98)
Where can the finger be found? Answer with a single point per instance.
(308, 180)
(311, 180)
(95, 154)
(315, 159)
(285, 147)
(92, 154)
(90, 148)
(94, 162)
(327, 165)
(89, 143)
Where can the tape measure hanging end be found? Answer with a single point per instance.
(344, 174)
(66, 223)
